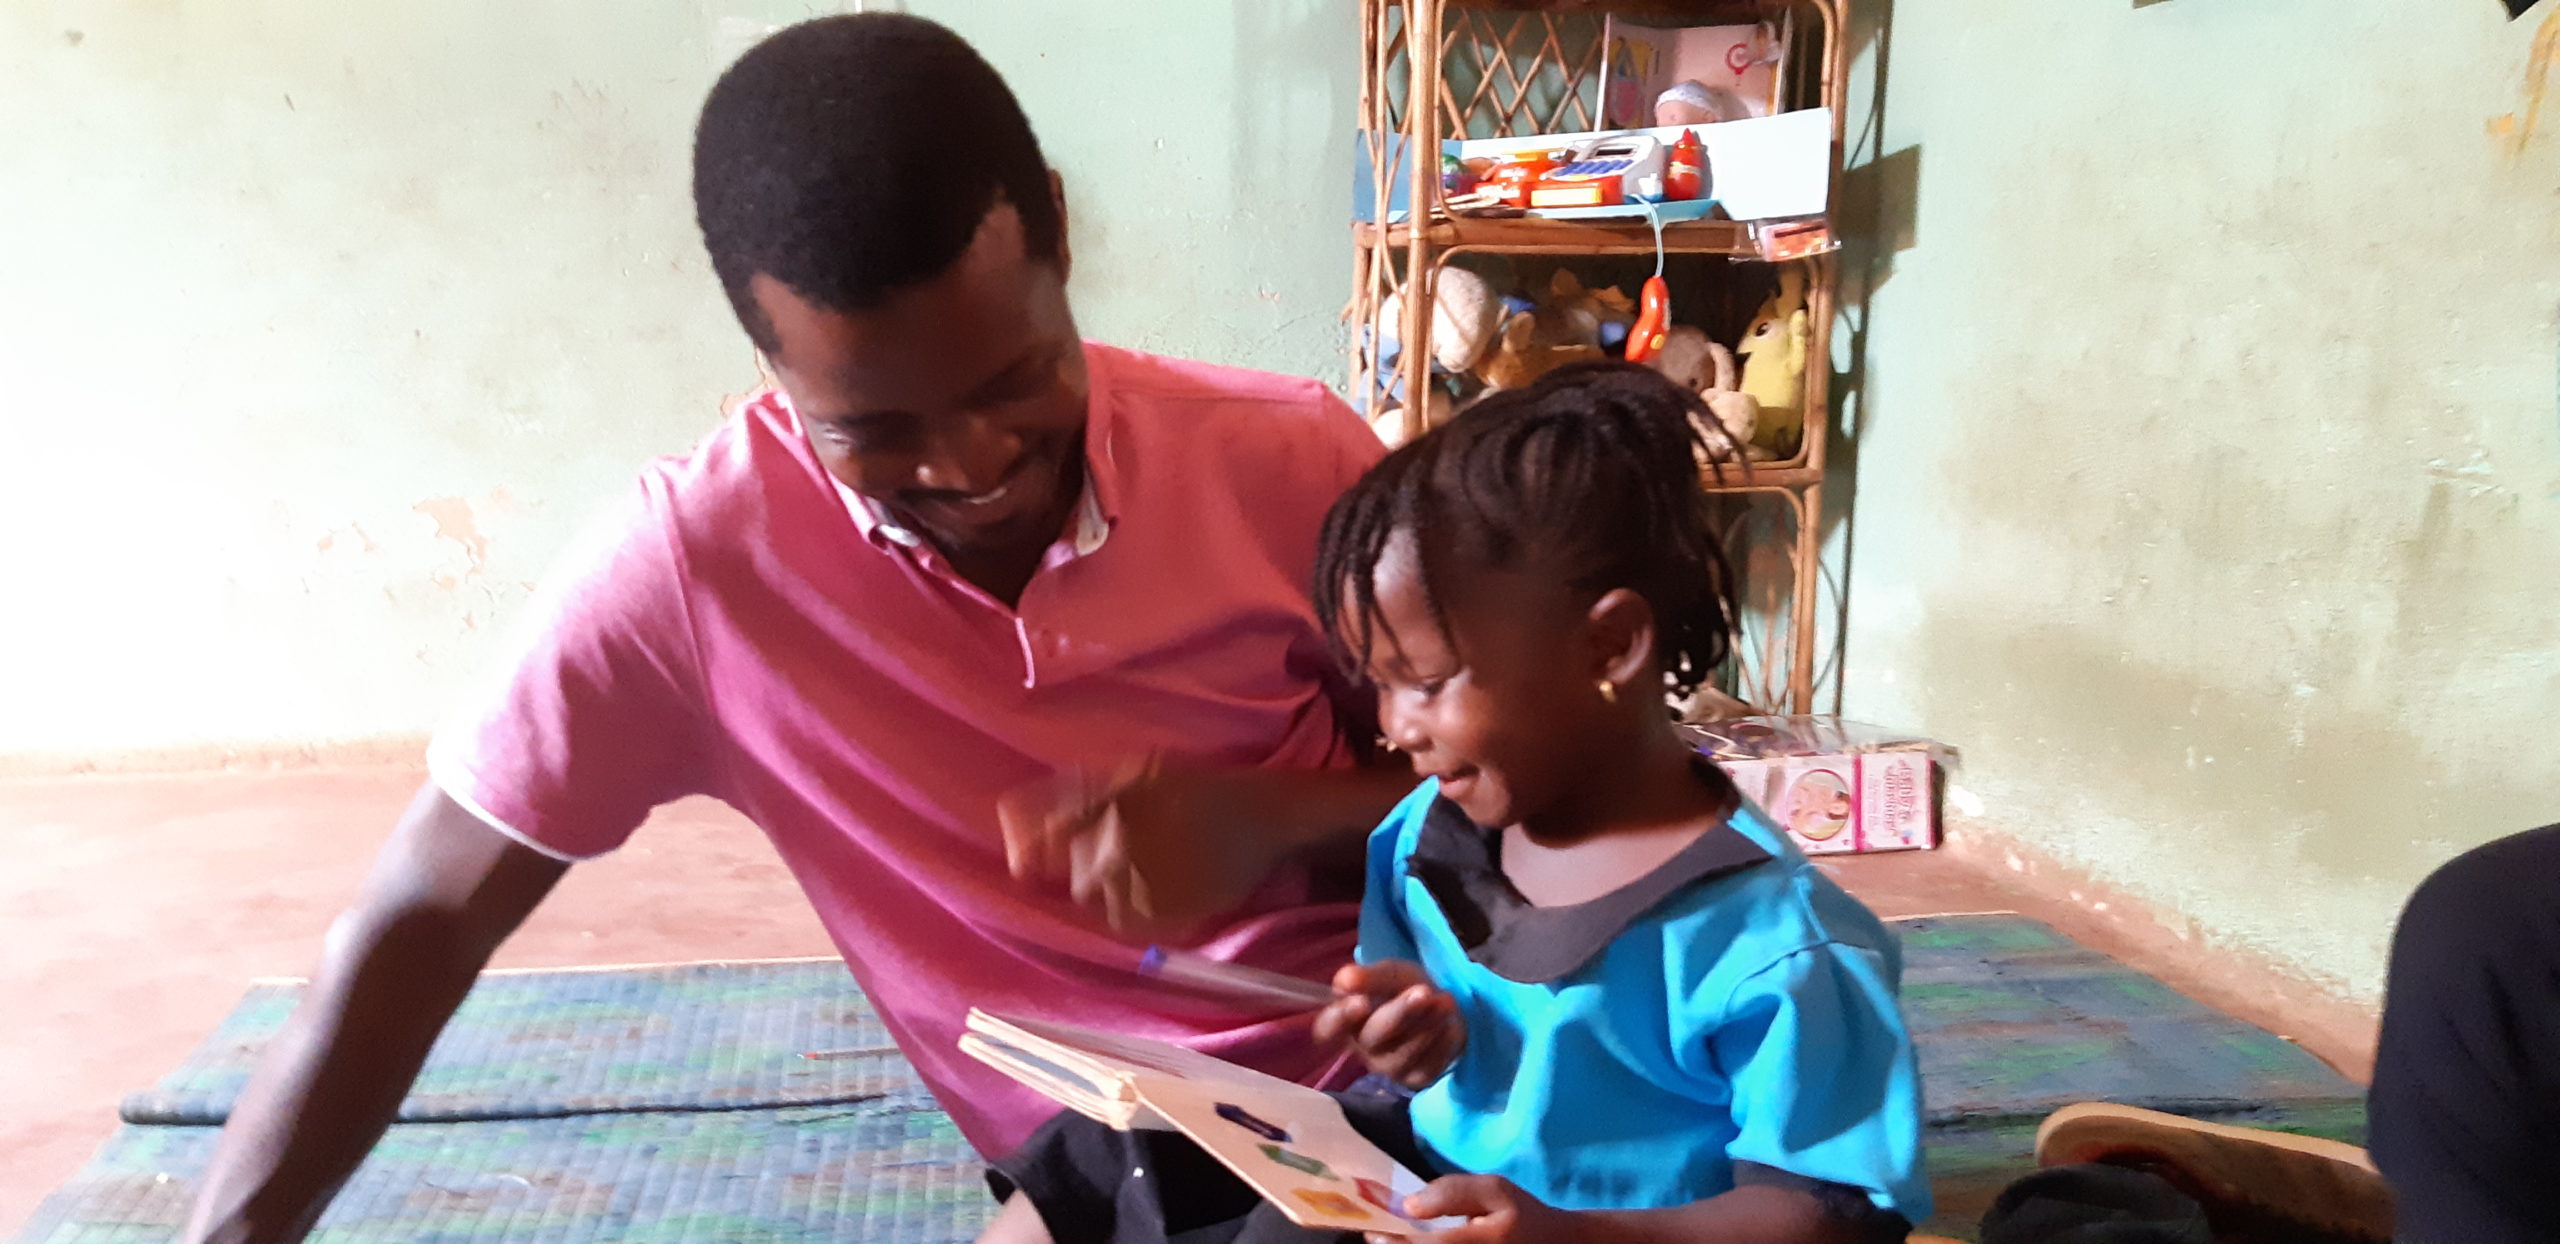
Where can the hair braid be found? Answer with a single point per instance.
(1593, 471)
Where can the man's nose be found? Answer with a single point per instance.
(970, 458)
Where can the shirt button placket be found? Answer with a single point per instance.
(1030, 654)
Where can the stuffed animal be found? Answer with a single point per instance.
(1705, 367)
(1518, 359)
(1774, 351)
(1592, 317)
(1389, 422)
(1464, 314)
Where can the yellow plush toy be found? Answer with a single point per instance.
(1774, 353)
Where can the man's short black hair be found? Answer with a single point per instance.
(853, 156)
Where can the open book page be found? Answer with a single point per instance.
(1295, 1148)
(1289, 1142)
(1093, 1072)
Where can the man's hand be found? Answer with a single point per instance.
(1160, 847)
(1496, 1210)
(1404, 1026)
(1153, 846)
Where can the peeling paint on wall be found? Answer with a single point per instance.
(293, 266)
(452, 517)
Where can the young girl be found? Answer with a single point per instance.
(1631, 1009)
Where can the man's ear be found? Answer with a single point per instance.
(1058, 197)
(1620, 633)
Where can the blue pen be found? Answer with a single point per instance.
(1183, 967)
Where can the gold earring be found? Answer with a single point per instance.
(1609, 690)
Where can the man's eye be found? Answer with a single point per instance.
(867, 438)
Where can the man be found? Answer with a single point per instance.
(957, 553)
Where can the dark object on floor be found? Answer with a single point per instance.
(2095, 1204)
(2466, 1084)
(2516, 8)
(2253, 1185)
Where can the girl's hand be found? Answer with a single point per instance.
(1404, 1026)
(1495, 1209)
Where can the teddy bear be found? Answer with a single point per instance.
(1703, 366)
(1518, 358)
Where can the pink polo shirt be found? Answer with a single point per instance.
(748, 630)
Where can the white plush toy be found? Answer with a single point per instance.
(1705, 367)
(1464, 315)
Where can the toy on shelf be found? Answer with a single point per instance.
(1695, 362)
(1515, 177)
(1693, 102)
(1436, 406)
(1598, 316)
(1685, 173)
(1605, 172)
(1518, 359)
(1774, 352)
(1464, 315)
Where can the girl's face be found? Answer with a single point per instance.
(1500, 708)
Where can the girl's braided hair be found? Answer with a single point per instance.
(1593, 471)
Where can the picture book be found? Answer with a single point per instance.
(1289, 1142)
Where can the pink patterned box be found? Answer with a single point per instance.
(1836, 786)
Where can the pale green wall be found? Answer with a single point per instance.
(322, 324)
(2208, 454)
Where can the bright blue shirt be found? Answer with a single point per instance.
(1732, 1007)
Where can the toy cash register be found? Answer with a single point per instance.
(1604, 172)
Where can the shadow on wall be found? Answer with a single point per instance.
(1877, 216)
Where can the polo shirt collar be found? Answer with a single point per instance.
(1460, 864)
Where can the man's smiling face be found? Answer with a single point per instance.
(958, 405)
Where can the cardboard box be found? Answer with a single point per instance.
(1645, 60)
(1836, 787)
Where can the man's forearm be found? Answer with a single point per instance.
(335, 1076)
(1304, 808)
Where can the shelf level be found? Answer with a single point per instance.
(1535, 235)
(1764, 477)
(1695, 12)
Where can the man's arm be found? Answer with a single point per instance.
(446, 890)
(1159, 848)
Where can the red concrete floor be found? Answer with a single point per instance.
(136, 909)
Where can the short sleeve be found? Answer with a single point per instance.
(1824, 1082)
(1357, 446)
(1384, 932)
(595, 716)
